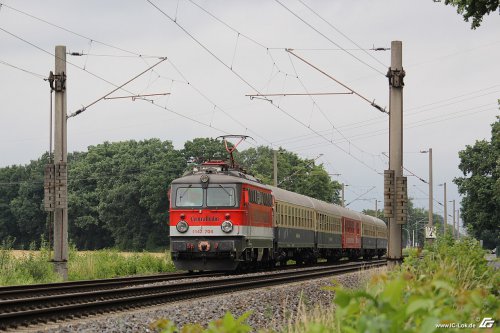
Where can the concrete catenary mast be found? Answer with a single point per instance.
(395, 185)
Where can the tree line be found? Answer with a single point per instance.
(117, 192)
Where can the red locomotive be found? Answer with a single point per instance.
(224, 219)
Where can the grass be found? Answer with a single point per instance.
(105, 264)
(30, 267)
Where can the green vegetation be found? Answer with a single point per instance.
(118, 191)
(475, 9)
(450, 282)
(29, 269)
(35, 266)
(103, 264)
(227, 324)
(480, 188)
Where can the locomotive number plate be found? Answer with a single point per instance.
(201, 231)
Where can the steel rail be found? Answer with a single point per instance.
(28, 311)
(35, 290)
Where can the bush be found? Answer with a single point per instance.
(452, 283)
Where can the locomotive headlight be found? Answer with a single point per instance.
(227, 226)
(182, 226)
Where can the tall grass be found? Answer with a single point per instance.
(104, 264)
(29, 269)
(35, 266)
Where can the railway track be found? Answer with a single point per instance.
(37, 290)
(24, 311)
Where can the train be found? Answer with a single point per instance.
(223, 219)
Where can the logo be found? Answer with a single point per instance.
(486, 323)
(205, 219)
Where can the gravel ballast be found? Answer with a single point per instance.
(271, 307)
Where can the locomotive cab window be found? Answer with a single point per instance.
(220, 197)
(189, 197)
(216, 195)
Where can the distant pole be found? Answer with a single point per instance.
(343, 190)
(458, 223)
(60, 160)
(395, 74)
(376, 208)
(431, 194)
(275, 165)
(453, 231)
(445, 222)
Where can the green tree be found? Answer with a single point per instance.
(480, 187)
(204, 149)
(27, 208)
(475, 9)
(118, 192)
(11, 179)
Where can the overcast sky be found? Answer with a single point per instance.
(219, 51)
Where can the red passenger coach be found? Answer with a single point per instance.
(351, 234)
(351, 237)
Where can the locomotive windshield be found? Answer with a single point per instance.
(220, 196)
(189, 197)
(213, 196)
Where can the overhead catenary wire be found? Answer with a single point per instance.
(340, 32)
(328, 38)
(109, 82)
(97, 76)
(298, 94)
(239, 33)
(372, 103)
(216, 106)
(53, 55)
(70, 31)
(335, 128)
(133, 97)
(409, 125)
(80, 111)
(136, 54)
(39, 76)
(252, 87)
(427, 194)
(361, 195)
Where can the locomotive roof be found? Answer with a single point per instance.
(231, 177)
